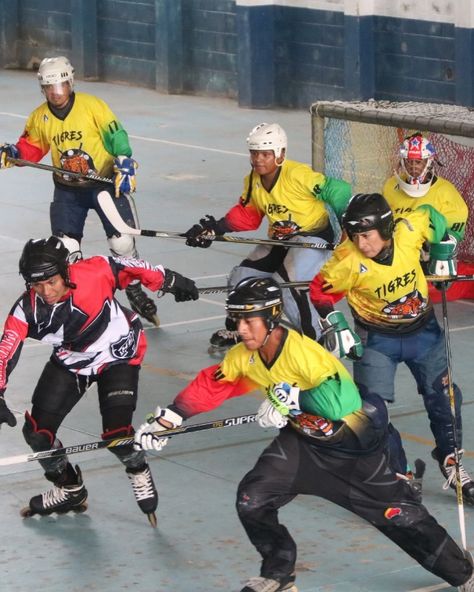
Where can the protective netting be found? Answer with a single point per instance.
(361, 146)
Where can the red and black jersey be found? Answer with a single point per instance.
(88, 329)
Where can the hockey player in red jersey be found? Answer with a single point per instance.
(95, 340)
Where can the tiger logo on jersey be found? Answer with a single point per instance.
(407, 307)
(76, 160)
(284, 229)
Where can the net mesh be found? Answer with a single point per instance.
(361, 143)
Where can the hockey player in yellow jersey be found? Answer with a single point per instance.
(330, 444)
(297, 203)
(379, 271)
(83, 136)
(416, 183)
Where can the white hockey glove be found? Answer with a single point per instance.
(282, 400)
(339, 338)
(146, 437)
(125, 170)
(8, 151)
(443, 260)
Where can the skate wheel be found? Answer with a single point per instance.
(26, 512)
(156, 321)
(152, 519)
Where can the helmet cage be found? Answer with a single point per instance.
(42, 259)
(416, 147)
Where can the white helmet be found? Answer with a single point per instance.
(55, 71)
(268, 136)
(416, 147)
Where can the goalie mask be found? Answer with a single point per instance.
(368, 211)
(268, 136)
(42, 259)
(417, 155)
(256, 297)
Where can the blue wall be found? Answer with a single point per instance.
(260, 55)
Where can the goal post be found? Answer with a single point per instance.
(358, 141)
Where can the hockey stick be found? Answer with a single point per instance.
(452, 404)
(220, 289)
(53, 169)
(451, 278)
(108, 207)
(187, 429)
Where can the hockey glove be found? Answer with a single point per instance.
(8, 151)
(181, 287)
(202, 234)
(269, 417)
(146, 437)
(443, 260)
(124, 170)
(6, 416)
(284, 398)
(339, 338)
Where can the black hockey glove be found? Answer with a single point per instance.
(6, 416)
(201, 235)
(181, 287)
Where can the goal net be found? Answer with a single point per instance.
(358, 142)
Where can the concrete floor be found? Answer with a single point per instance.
(192, 158)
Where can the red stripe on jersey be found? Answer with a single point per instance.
(241, 218)
(319, 292)
(206, 392)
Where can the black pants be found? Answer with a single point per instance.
(59, 390)
(365, 485)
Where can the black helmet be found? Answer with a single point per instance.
(42, 258)
(256, 297)
(368, 211)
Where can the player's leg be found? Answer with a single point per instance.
(55, 395)
(375, 374)
(123, 245)
(301, 265)
(271, 484)
(68, 213)
(118, 386)
(429, 367)
(374, 493)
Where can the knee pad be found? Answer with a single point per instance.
(73, 245)
(37, 439)
(123, 246)
(132, 459)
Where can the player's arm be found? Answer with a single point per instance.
(337, 336)
(208, 390)
(335, 192)
(14, 333)
(116, 142)
(30, 146)
(156, 278)
(241, 217)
